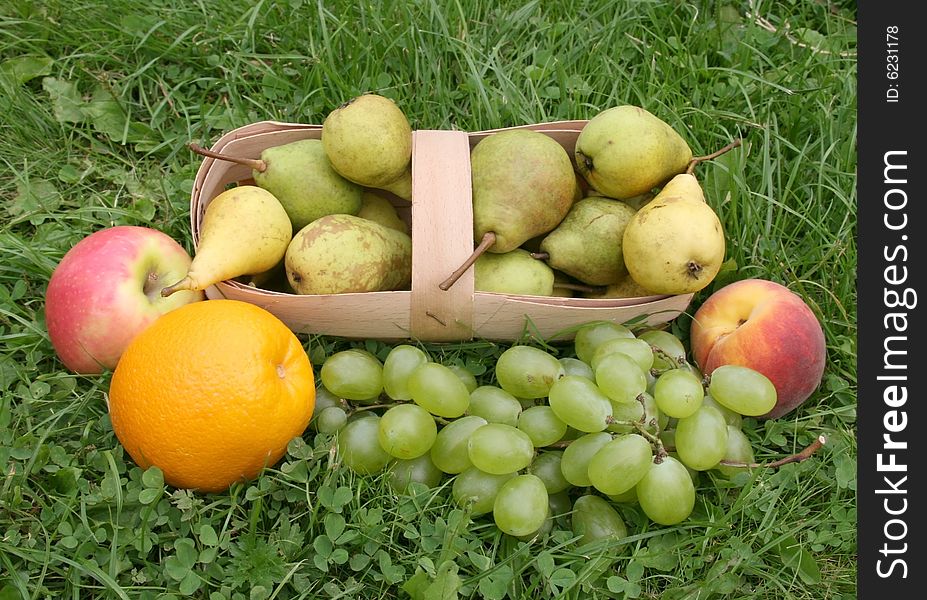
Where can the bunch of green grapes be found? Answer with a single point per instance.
(627, 420)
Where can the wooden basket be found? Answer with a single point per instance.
(441, 217)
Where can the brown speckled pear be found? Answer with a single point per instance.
(345, 253)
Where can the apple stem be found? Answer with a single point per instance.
(489, 238)
(797, 457)
(700, 159)
(254, 163)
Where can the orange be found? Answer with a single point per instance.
(211, 393)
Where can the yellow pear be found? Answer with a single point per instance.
(245, 231)
(675, 243)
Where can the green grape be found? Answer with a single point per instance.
(527, 372)
(730, 417)
(478, 489)
(542, 425)
(628, 497)
(547, 466)
(738, 450)
(666, 493)
(498, 449)
(670, 352)
(644, 411)
(595, 519)
(403, 473)
(678, 393)
(324, 398)
(449, 452)
(398, 366)
(520, 507)
(620, 377)
(701, 439)
(359, 448)
(579, 403)
(495, 405)
(574, 366)
(407, 431)
(743, 390)
(618, 465)
(330, 419)
(439, 390)
(353, 374)
(468, 378)
(637, 349)
(591, 335)
(575, 460)
(559, 504)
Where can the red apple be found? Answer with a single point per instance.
(765, 326)
(107, 288)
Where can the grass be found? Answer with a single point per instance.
(97, 101)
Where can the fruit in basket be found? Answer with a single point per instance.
(625, 287)
(301, 177)
(368, 139)
(675, 244)
(245, 231)
(763, 325)
(106, 289)
(211, 393)
(514, 272)
(626, 151)
(380, 210)
(345, 253)
(587, 243)
(523, 185)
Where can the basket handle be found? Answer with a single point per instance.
(442, 230)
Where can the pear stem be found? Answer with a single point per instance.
(183, 284)
(700, 159)
(489, 238)
(540, 255)
(254, 163)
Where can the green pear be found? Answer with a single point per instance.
(675, 243)
(625, 287)
(587, 243)
(369, 141)
(344, 253)
(625, 151)
(245, 230)
(379, 209)
(300, 175)
(523, 185)
(513, 272)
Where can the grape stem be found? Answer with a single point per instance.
(667, 357)
(797, 457)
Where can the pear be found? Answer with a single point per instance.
(513, 272)
(344, 253)
(523, 185)
(379, 209)
(675, 243)
(625, 151)
(245, 230)
(625, 287)
(587, 243)
(300, 175)
(369, 141)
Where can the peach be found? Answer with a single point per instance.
(765, 326)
